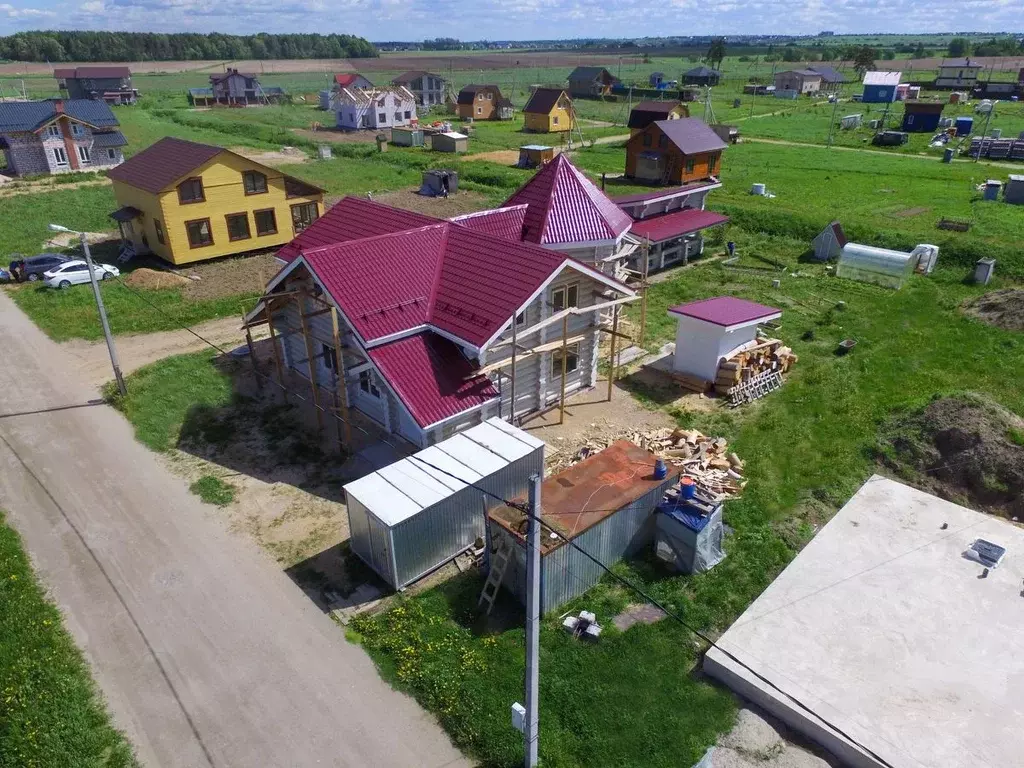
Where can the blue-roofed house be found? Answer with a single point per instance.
(59, 136)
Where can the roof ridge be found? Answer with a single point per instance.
(369, 239)
(436, 282)
(556, 165)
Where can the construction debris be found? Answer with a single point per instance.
(717, 472)
(764, 356)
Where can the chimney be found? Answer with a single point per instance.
(58, 107)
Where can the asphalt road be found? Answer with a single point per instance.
(207, 654)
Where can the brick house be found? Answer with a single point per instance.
(58, 136)
(110, 84)
(428, 88)
(674, 152)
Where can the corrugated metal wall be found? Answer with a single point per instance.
(565, 572)
(369, 539)
(437, 534)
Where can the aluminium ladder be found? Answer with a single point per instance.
(495, 575)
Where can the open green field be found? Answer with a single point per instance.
(50, 711)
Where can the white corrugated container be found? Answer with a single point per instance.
(412, 516)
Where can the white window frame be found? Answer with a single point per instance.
(53, 131)
(572, 359)
(84, 155)
(560, 296)
(58, 153)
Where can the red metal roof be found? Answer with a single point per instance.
(429, 375)
(676, 224)
(353, 218)
(347, 78)
(657, 194)
(726, 311)
(506, 223)
(567, 207)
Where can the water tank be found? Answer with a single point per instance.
(964, 125)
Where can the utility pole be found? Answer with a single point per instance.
(832, 125)
(103, 317)
(531, 732)
(99, 306)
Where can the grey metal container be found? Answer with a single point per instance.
(409, 518)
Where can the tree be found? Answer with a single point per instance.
(864, 59)
(959, 47)
(920, 52)
(790, 53)
(888, 54)
(716, 53)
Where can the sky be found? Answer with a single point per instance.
(380, 20)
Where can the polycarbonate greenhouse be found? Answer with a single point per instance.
(412, 516)
(875, 265)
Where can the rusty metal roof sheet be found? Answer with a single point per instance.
(578, 498)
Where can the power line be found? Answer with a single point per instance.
(528, 512)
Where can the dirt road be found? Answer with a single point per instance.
(91, 363)
(207, 654)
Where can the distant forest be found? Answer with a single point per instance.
(151, 46)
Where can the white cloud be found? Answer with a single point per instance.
(94, 6)
(11, 12)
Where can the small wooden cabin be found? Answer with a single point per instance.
(674, 152)
(549, 110)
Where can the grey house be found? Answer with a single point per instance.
(428, 88)
(234, 88)
(591, 81)
(58, 136)
(110, 84)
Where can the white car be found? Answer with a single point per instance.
(75, 272)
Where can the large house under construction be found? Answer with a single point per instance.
(235, 89)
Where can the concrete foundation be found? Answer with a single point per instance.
(885, 628)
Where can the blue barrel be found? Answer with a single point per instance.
(964, 125)
(687, 488)
(947, 155)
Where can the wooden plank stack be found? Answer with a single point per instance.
(717, 472)
(763, 356)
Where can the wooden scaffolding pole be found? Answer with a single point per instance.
(277, 355)
(565, 348)
(309, 361)
(512, 376)
(252, 357)
(615, 337)
(342, 391)
(643, 292)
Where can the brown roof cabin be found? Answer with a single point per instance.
(647, 112)
(674, 152)
(483, 102)
(591, 81)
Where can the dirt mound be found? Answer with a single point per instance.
(966, 449)
(1003, 308)
(146, 279)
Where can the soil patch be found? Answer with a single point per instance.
(235, 276)
(440, 207)
(284, 156)
(325, 134)
(965, 449)
(1003, 309)
(500, 156)
(147, 279)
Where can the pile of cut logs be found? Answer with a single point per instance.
(763, 356)
(717, 473)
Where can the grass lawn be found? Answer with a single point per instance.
(50, 711)
(213, 490)
(25, 217)
(162, 395)
(807, 448)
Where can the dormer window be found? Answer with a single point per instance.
(53, 131)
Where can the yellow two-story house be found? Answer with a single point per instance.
(187, 202)
(549, 110)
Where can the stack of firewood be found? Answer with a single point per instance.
(760, 357)
(716, 471)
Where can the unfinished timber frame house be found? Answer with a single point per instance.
(427, 327)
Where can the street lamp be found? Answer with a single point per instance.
(99, 305)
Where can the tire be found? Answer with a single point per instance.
(106, 275)
(33, 277)
(64, 284)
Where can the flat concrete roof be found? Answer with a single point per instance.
(883, 627)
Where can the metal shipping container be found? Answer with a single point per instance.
(408, 518)
(605, 505)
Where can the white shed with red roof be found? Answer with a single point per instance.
(712, 329)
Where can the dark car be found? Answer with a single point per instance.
(33, 267)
